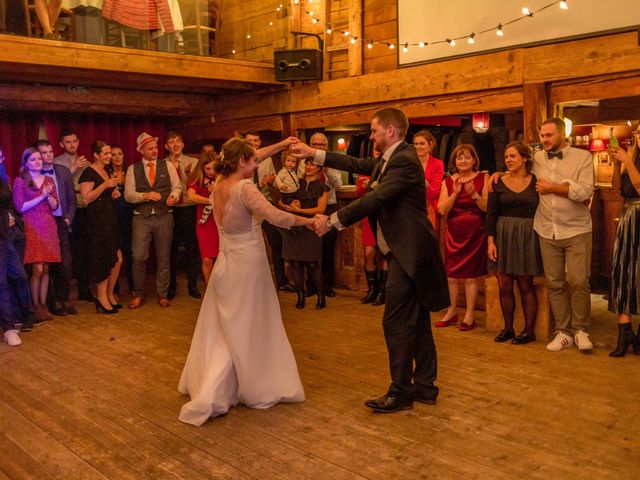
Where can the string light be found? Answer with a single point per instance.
(499, 30)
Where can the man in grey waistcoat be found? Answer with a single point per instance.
(153, 186)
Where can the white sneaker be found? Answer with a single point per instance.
(560, 341)
(12, 338)
(582, 341)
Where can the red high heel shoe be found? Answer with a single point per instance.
(445, 323)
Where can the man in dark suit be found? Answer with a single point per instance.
(416, 283)
(60, 272)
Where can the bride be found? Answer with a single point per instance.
(240, 352)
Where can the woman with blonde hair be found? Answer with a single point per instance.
(200, 184)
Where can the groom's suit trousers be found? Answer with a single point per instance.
(407, 331)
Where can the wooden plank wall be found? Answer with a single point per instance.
(380, 24)
(251, 17)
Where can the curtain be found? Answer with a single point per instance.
(115, 130)
(19, 130)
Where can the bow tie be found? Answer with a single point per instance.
(47, 172)
(557, 155)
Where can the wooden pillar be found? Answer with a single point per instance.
(355, 27)
(535, 109)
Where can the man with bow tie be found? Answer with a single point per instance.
(60, 273)
(416, 282)
(563, 223)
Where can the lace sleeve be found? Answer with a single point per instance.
(260, 207)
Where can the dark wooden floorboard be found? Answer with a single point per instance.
(95, 396)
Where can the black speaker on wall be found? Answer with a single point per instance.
(302, 64)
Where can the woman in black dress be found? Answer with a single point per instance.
(624, 297)
(513, 248)
(98, 189)
(124, 212)
(301, 246)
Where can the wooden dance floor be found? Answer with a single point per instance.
(94, 397)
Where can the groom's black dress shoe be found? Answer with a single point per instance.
(425, 399)
(389, 404)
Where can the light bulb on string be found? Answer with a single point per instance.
(329, 30)
(471, 40)
(421, 44)
(405, 48)
(392, 46)
(346, 34)
(451, 42)
(310, 13)
(233, 52)
(314, 21)
(564, 5)
(353, 40)
(369, 45)
(248, 35)
(499, 31)
(271, 24)
(527, 12)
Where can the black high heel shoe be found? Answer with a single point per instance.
(101, 309)
(117, 306)
(626, 337)
(300, 302)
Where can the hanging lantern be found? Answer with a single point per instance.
(480, 122)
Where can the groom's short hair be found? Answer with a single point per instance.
(393, 116)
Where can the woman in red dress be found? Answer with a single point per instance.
(200, 184)
(433, 168)
(35, 197)
(463, 198)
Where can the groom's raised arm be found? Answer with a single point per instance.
(334, 160)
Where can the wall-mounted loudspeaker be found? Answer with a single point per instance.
(303, 64)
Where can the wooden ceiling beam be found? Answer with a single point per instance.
(102, 100)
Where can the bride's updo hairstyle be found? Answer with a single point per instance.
(229, 158)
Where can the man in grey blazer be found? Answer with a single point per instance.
(60, 273)
(416, 283)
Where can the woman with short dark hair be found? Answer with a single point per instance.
(463, 198)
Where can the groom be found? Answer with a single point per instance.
(416, 283)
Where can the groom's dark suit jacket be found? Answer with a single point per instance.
(397, 202)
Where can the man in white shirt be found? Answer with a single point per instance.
(184, 219)
(563, 222)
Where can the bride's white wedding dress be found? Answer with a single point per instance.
(240, 352)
